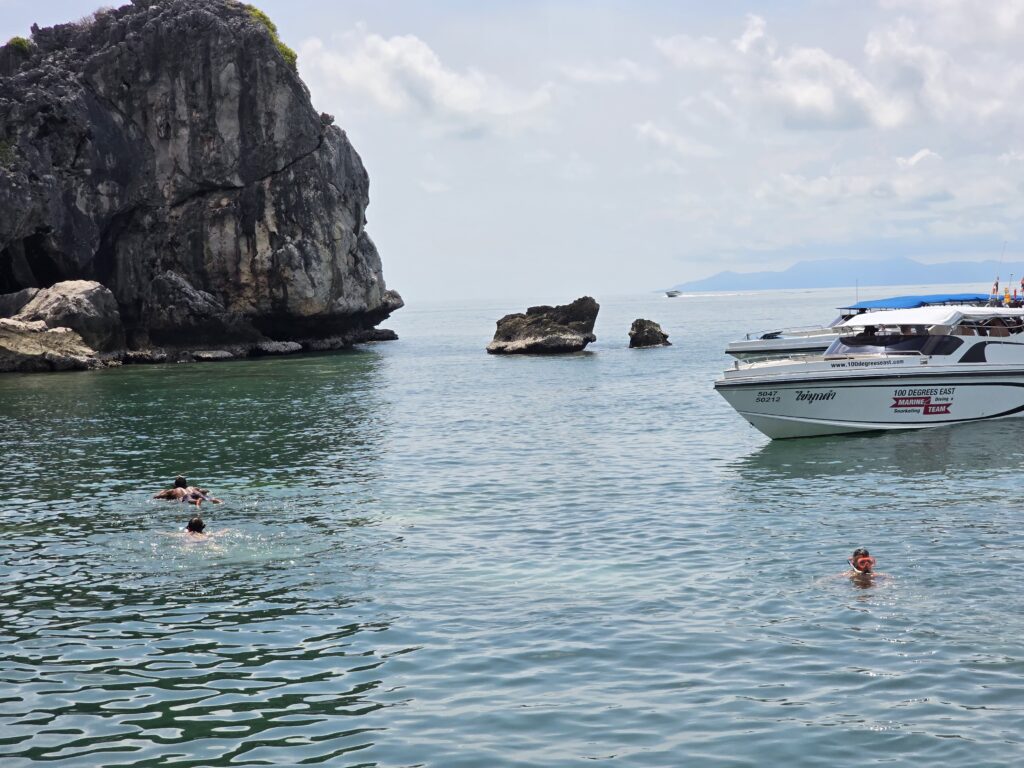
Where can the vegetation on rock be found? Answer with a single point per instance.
(287, 53)
(6, 154)
(20, 44)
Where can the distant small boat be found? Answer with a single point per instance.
(673, 294)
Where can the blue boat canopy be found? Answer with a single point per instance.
(911, 302)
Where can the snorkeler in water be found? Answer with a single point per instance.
(861, 561)
(863, 564)
(190, 494)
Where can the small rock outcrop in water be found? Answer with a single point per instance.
(647, 333)
(168, 151)
(547, 330)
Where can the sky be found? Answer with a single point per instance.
(565, 148)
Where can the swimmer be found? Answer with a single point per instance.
(196, 530)
(190, 494)
(863, 565)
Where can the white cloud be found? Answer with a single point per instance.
(917, 157)
(754, 38)
(699, 53)
(403, 74)
(964, 88)
(816, 89)
(964, 22)
(806, 87)
(619, 71)
(677, 143)
(433, 187)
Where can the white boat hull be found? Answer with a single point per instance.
(816, 404)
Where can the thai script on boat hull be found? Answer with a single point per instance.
(812, 397)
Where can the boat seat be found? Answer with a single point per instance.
(963, 330)
(998, 330)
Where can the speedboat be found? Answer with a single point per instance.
(892, 369)
(815, 339)
(673, 294)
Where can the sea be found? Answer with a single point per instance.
(430, 556)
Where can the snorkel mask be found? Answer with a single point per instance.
(862, 562)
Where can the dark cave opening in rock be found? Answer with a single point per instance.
(32, 262)
(41, 253)
(8, 282)
(105, 259)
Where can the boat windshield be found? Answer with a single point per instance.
(865, 343)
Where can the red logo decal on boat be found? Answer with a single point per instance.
(922, 404)
(910, 402)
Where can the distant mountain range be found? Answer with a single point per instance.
(842, 273)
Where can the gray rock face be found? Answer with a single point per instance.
(168, 144)
(547, 330)
(11, 303)
(32, 346)
(174, 312)
(647, 333)
(276, 348)
(84, 306)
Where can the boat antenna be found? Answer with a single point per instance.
(856, 290)
(995, 286)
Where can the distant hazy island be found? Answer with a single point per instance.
(839, 273)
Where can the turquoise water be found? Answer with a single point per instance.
(428, 556)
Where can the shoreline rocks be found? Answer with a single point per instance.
(84, 306)
(547, 330)
(647, 333)
(31, 346)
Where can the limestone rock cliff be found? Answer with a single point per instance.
(168, 150)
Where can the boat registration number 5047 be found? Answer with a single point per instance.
(768, 396)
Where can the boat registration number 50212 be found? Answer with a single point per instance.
(768, 396)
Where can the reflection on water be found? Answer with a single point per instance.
(263, 424)
(967, 449)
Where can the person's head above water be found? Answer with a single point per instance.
(180, 482)
(862, 561)
(195, 525)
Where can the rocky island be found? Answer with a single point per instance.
(162, 166)
(546, 330)
(647, 333)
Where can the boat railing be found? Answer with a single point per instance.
(802, 330)
(749, 360)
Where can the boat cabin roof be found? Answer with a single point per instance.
(928, 316)
(922, 300)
